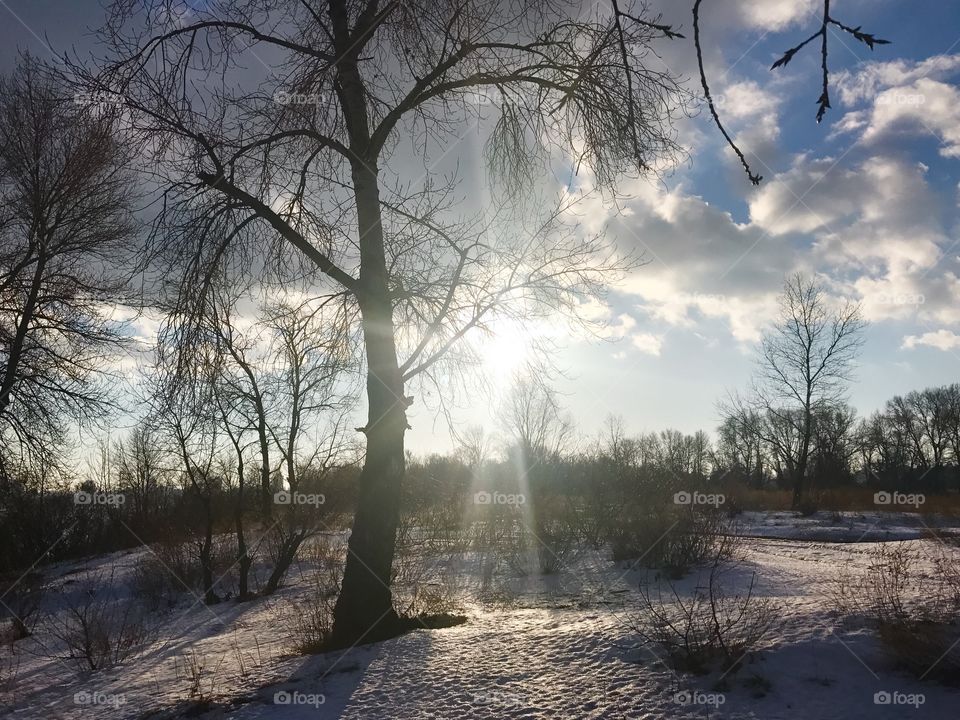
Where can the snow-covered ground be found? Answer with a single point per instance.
(561, 647)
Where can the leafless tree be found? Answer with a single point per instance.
(534, 421)
(244, 388)
(143, 472)
(740, 445)
(311, 354)
(805, 362)
(310, 185)
(473, 447)
(279, 382)
(185, 412)
(915, 434)
(66, 204)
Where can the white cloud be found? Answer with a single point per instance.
(876, 229)
(866, 81)
(941, 339)
(746, 100)
(873, 231)
(926, 107)
(703, 266)
(776, 15)
(903, 97)
(648, 343)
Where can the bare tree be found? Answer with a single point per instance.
(65, 227)
(311, 354)
(740, 446)
(303, 185)
(534, 421)
(143, 472)
(805, 363)
(473, 447)
(185, 412)
(278, 379)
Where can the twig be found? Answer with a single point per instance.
(754, 178)
(867, 39)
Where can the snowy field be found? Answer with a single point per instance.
(559, 646)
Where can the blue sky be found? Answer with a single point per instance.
(867, 201)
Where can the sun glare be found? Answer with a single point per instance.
(504, 351)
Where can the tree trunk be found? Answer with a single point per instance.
(802, 461)
(243, 558)
(210, 596)
(364, 610)
(266, 499)
(287, 552)
(20, 336)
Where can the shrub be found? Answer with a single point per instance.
(707, 627)
(670, 538)
(913, 613)
(880, 591)
(424, 583)
(154, 584)
(546, 544)
(311, 616)
(97, 628)
(22, 599)
(9, 669)
(170, 568)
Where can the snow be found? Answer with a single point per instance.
(561, 647)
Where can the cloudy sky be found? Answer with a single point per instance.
(867, 200)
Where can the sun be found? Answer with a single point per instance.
(504, 351)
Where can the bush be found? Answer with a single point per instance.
(548, 543)
(154, 584)
(707, 628)
(22, 599)
(879, 592)
(670, 538)
(424, 578)
(171, 568)
(97, 628)
(9, 669)
(311, 616)
(913, 613)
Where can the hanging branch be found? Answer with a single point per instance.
(754, 178)
(867, 39)
(666, 31)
